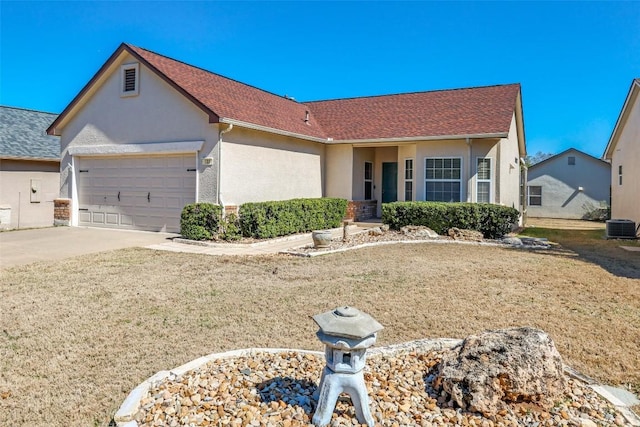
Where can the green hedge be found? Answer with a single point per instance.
(492, 221)
(280, 218)
(200, 221)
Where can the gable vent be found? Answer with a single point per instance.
(130, 80)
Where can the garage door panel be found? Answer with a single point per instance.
(152, 191)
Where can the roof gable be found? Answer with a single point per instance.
(566, 152)
(22, 135)
(622, 118)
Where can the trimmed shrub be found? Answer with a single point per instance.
(492, 221)
(280, 218)
(200, 221)
(230, 228)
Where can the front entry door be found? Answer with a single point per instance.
(389, 182)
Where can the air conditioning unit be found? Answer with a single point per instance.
(621, 229)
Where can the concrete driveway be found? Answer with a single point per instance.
(21, 247)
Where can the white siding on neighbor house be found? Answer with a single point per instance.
(625, 197)
(20, 207)
(569, 191)
(259, 166)
(158, 114)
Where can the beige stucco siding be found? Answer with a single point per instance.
(339, 171)
(443, 149)
(625, 197)
(508, 190)
(258, 166)
(20, 207)
(158, 114)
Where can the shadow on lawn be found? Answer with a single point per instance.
(593, 247)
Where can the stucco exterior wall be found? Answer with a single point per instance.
(508, 161)
(570, 191)
(625, 197)
(20, 207)
(339, 171)
(157, 114)
(259, 166)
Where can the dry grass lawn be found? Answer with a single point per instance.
(76, 336)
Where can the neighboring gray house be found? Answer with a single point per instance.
(570, 185)
(29, 168)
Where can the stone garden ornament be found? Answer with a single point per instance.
(346, 333)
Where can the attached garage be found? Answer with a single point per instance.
(135, 192)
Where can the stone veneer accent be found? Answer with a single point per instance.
(360, 210)
(61, 211)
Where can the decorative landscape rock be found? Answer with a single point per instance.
(418, 231)
(460, 234)
(505, 366)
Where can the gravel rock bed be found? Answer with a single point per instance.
(276, 389)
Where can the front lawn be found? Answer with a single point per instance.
(76, 336)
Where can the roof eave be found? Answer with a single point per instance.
(410, 139)
(32, 159)
(613, 139)
(254, 126)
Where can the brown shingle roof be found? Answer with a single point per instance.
(457, 112)
(234, 100)
(481, 110)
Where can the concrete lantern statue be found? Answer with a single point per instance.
(346, 333)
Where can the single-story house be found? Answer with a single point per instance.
(623, 152)
(29, 168)
(149, 134)
(570, 185)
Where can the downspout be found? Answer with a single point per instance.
(469, 180)
(222, 132)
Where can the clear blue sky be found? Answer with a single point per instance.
(575, 60)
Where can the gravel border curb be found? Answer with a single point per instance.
(124, 417)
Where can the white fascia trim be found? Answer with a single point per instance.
(131, 149)
(270, 130)
(609, 156)
(411, 139)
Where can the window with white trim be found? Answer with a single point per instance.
(129, 80)
(368, 180)
(408, 180)
(534, 193)
(483, 180)
(443, 179)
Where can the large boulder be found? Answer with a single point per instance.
(487, 371)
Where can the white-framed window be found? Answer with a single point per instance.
(408, 180)
(534, 193)
(443, 179)
(483, 180)
(620, 175)
(368, 180)
(130, 79)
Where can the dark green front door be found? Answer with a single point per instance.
(389, 182)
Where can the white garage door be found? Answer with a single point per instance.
(138, 193)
